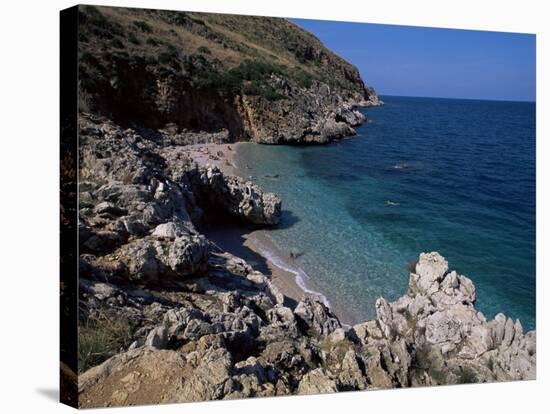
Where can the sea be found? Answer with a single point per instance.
(422, 174)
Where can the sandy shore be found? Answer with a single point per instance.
(220, 155)
(244, 242)
(252, 244)
(247, 243)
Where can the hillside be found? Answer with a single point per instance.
(261, 79)
(165, 314)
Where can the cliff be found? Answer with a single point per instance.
(167, 316)
(250, 78)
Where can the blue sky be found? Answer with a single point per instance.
(418, 61)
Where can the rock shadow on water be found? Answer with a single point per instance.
(288, 219)
(230, 235)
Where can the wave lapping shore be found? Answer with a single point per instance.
(286, 273)
(199, 323)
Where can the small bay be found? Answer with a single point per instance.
(423, 174)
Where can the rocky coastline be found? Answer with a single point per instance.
(164, 313)
(202, 324)
(196, 73)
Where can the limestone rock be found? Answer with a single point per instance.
(237, 197)
(316, 382)
(188, 254)
(136, 377)
(157, 338)
(430, 269)
(169, 231)
(140, 258)
(351, 376)
(437, 318)
(315, 316)
(211, 372)
(233, 332)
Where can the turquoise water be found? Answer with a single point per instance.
(456, 176)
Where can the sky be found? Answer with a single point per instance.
(449, 63)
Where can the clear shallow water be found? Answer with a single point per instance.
(462, 176)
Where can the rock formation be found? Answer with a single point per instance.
(164, 314)
(191, 322)
(236, 77)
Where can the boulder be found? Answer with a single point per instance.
(157, 338)
(169, 231)
(108, 208)
(210, 374)
(188, 254)
(237, 197)
(140, 258)
(351, 376)
(316, 382)
(316, 317)
(429, 270)
(136, 377)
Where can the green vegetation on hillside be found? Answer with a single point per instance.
(153, 67)
(227, 52)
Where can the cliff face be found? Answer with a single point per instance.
(166, 316)
(262, 79)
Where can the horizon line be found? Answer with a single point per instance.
(456, 98)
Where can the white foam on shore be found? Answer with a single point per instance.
(299, 274)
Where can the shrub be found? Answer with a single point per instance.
(170, 48)
(258, 89)
(99, 25)
(302, 77)
(204, 50)
(250, 77)
(117, 43)
(169, 56)
(143, 26)
(466, 375)
(133, 38)
(258, 70)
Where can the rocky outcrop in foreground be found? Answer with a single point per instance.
(186, 321)
(256, 346)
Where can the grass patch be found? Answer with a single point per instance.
(204, 50)
(98, 24)
(143, 26)
(151, 42)
(101, 337)
(133, 39)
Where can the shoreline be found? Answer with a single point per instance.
(219, 155)
(252, 244)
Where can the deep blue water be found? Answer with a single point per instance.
(460, 176)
